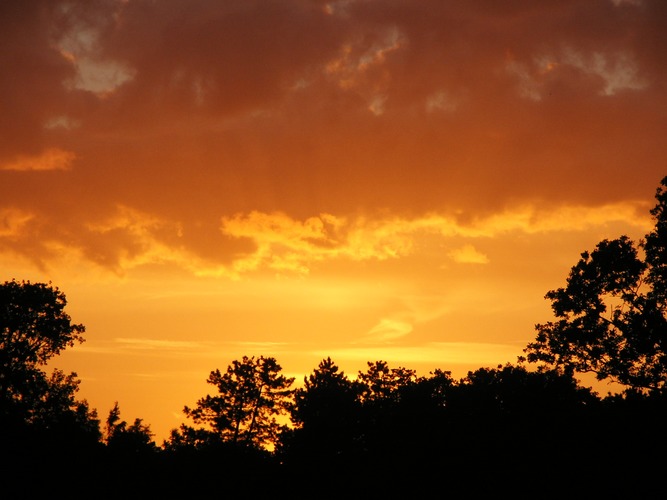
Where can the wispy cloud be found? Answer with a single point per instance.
(440, 354)
(156, 344)
(129, 239)
(50, 159)
(615, 71)
(12, 222)
(387, 330)
(287, 244)
(261, 344)
(468, 254)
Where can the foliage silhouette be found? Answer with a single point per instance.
(381, 383)
(43, 427)
(33, 328)
(190, 438)
(125, 439)
(252, 393)
(611, 315)
(325, 415)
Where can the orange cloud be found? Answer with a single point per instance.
(50, 159)
(468, 254)
(387, 330)
(614, 71)
(13, 221)
(286, 244)
(131, 239)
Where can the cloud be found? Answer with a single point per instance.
(13, 222)
(260, 344)
(51, 159)
(80, 44)
(387, 330)
(139, 346)
(360, 66)
(615, 72)
(436, 353)
(156, 344)
(310, 132)
(441, 101)
(286, 244)
(618, 71)
(128, 239)
(468, 254)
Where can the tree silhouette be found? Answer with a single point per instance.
(381, 383)
(251, 394)
(325, 414)
(122, 438)
(514, 391)
(55, 408)
(44, 429)
(33, 328)
(327, 397)
(187, 438)
(611, 315)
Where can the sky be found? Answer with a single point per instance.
(361, 179)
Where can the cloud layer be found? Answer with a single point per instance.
(189, 112)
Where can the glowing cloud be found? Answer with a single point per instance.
(468, 254)
(387, 330)
(50, 159)
(359, 66)
(157, 344)
(285, 244)
(441, 101)
(12, 222)
(616, 71)
(80, 46)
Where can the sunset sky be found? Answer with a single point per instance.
(363, 179)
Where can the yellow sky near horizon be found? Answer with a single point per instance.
(360, 179)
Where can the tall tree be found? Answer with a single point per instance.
(134, 438)
(328, 397)
(325, 415)
(44, 429)
(251, 395)
(611, 315)
(381, 383)
(34, 328)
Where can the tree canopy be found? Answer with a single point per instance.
(134, 438)
(251, 394)
(611, 315)
(34, 328)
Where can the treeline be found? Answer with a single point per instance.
(386, 432)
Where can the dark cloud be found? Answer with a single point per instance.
(189, 111)
(205, 57)
(31, 89)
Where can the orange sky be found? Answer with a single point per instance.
(360, 179)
